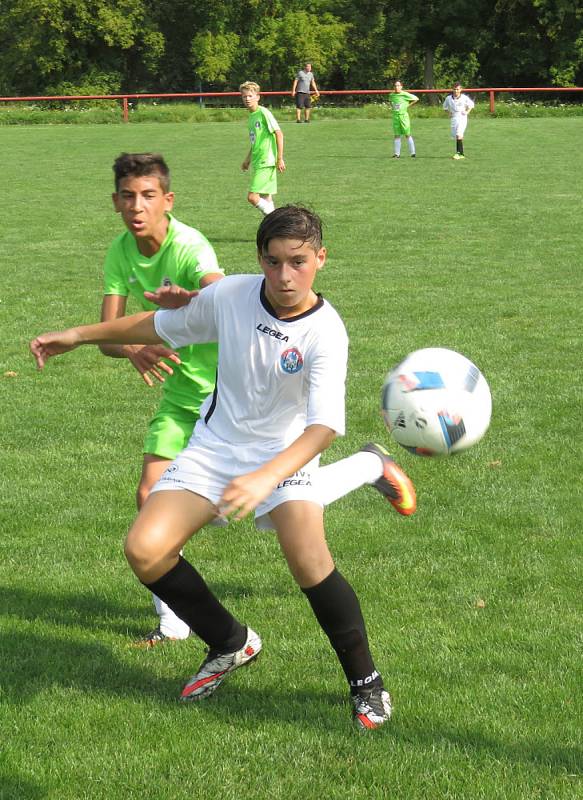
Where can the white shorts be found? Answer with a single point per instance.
(209, 464)
(458, 126)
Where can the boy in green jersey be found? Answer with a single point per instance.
(157, 250)
(400, 102)
(266, 152)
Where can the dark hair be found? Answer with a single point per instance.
(456, 84)
(139, 165)
(290, 222)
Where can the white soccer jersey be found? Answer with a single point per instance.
(458, 106)
(275, 377)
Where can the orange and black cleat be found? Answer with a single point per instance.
(393, 484)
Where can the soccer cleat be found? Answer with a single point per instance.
(216, 666)
(393, 484)
(456, 156)
(153, 638)
(396, 156)
(413, 155)
(372, 708)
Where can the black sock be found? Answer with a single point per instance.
(338, 611)
(184, 590)
(459, 145)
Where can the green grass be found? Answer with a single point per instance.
(109, 112)
(473, 604)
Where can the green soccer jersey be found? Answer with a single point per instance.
(262, 126)
(400, 102)
(184, 258)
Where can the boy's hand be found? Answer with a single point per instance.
(53, 344)
(243, 494)
(245, 165)
(280, 165)
(171, 296)
(147, 359)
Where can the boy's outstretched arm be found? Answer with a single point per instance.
(147, 359)
(243, 494)
(136, 329)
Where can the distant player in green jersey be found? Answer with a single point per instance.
(265, 155)
(400, 102)
(158, 250)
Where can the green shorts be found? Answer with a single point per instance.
(264, 180)
(169, 430)
(402, 126)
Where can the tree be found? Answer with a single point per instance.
(213, 55)
(534, 43)
(44, 45)
(108, 46)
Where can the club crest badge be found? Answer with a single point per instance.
(291, 360)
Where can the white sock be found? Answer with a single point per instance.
(170, 624)
(338, 479)
(397, 143)
(411, 144)
(265, 206)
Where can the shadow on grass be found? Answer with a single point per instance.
(34, 662)
(91, 611)
(541, 752)
(94, 611)
(330, 711)
(14, 788)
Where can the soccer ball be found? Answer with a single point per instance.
(436, 402)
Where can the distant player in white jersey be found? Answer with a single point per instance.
(277, 404)
(458, 106)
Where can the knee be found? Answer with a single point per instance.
(144, 553)
(135, 553)
(312, 570)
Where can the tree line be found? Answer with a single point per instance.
(130, 46)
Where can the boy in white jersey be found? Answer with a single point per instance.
(458, 106)
(266, 151)
(156, 249)
(277, 404)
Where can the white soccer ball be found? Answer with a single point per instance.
(436, 402)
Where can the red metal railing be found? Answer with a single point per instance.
(125, 98)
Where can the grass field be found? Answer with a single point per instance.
(473, 605)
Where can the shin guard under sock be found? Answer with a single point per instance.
(184, 590)
(337, 609)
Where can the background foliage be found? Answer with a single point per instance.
(109, 46)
